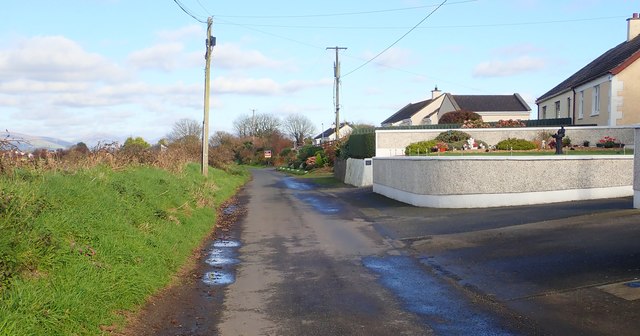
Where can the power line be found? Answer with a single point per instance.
(188, 12)
(530, 23)
(396, 41)
(338, 14)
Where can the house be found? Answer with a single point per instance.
(330, 133)
(489, 107)
(605, 92)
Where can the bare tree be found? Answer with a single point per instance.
(185, 129)
(298, 127)
(259, 125)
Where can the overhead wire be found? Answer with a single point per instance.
(396, 41)
(188, 12)
(338, 14)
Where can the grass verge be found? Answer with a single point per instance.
(77, 248)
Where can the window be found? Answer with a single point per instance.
(595, 109)
(568, 107)
(544, 112)
(581, 104)
(557, 109)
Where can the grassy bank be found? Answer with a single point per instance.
(78, 248)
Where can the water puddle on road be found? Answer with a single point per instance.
(219, 278)
(222, 256)
(323, 205)
(295, 184)
(444, 310)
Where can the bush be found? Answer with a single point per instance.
(361, 146)
(515, 144)
(475, 124)
(453, 136)
(510, 123)
(422, 147)
(458, 117)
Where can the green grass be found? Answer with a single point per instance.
(78, 248)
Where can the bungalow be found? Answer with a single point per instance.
(606, 92)
(330, 133)
(489, 107)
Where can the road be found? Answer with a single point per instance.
(304, 260)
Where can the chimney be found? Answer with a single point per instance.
(633, 27)
(435, 93)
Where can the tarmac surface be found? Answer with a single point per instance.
(302, 259)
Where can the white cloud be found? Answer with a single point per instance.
(263, 86)
(511, 67)
(230, 56)
(392, 58)
(166, 57)
(187, 32)
(55, 58)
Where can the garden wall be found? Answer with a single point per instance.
(339, 169)
(359, 172)
(393, 142)
(479, 181)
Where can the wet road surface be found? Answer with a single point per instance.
(306, 260)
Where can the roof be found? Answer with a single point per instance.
(407, 112)
(490, 103)
(326, 133)
(613, 61)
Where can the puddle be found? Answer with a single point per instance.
(444, 309)
(230, 209)
(294, 184)
(218, 278)
(633, 284)
(222, 257)
(323, 205)
(221, 261)
(226, 243)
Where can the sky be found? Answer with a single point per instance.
(90, 70)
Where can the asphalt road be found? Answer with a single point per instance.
(310, 260)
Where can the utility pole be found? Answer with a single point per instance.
(210, 43)
(253, 125)
(336, 74)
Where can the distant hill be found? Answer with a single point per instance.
(31, 142)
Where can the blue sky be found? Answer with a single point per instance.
(108, 69)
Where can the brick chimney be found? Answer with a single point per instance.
(435, 93)
(633, 26)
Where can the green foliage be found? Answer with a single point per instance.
(452, 136)
(307, 151)
(77, 247)
(515, 144)
(458, 117)
(360, 146)
(566, 141)
(137, 142)
(319, 160)
(421, 147)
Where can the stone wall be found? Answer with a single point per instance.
(479, 181)
(393, 142)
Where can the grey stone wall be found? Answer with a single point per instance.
(393, 142)
(500, 175)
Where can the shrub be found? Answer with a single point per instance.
(515, 144)
(475, 124)
(458, 117)
(421, 147)
(361, 146)
(453, 136)
(566, 141)
(510, 123)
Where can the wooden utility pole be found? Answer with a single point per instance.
(336, 74)
(210, 43)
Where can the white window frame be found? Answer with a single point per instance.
(595, 100)
(544, 112)
(581, 104)
(557, 107)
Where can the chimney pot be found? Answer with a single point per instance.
(635, 15)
